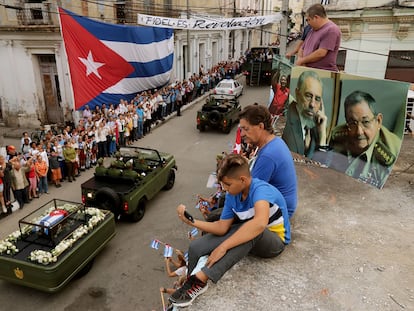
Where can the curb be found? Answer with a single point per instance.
(16, 133)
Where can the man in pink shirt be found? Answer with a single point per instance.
(321, 45)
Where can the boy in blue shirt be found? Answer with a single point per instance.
(254, 220)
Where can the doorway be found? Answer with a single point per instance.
(51, 89)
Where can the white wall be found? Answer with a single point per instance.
(369, 47)
(206, 58)
(18, 86)
(21, 82)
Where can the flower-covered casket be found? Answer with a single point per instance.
(54, 243)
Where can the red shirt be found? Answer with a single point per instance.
(279, 99)
(32, 172)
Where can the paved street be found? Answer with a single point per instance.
(351, 243)
(128, 273)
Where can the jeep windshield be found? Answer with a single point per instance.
(142, 153)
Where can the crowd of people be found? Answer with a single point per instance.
(27, 170)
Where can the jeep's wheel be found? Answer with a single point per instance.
(138, 214)
(170, 181)
(227, 129)
(84, 271)
(106, 198)
(202, 127)
(214, 117)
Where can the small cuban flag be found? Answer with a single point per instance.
(237, 143)
(155, 244)
(193, 232)
(168, 251)
(186, 257)
(201, 203)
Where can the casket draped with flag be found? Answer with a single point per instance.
(110, 62)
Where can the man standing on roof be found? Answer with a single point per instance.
(321, 45)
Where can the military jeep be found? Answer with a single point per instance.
(218, 113)
(126, 194)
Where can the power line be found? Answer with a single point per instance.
(258, 28)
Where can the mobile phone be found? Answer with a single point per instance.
(188, 216)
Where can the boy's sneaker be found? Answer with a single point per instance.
(191, 289)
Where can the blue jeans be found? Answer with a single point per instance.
(140, 129)
(112, 146)
(265, 245)
(42, 185)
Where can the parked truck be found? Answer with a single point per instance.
(258, 65)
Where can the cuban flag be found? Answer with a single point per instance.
(155, 244)
(193, 232)
(186, 257)
(168, 251)
(237, 143)
(110, 62)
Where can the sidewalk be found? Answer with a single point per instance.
(13, 132)
(12, 135)
(9, 133)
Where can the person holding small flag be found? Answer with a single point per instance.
(180, 271)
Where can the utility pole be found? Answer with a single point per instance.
(187, 56)
(233, 31)
(261, 27)
(284, 28)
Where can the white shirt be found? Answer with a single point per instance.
(181, 271)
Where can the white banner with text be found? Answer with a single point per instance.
(204, 23)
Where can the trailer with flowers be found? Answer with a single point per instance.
(55, 243)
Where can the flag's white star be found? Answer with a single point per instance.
(237, 148)
(91, 65)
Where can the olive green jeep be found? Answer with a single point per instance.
(218, 113)
(132, 179)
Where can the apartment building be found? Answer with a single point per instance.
(35, 86)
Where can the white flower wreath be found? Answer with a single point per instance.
(45, 257)
(8, 245)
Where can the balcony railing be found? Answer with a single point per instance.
(34, 14)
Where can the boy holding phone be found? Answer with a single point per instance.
(254, 220)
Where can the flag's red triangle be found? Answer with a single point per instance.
(237, 143)
(79, 44)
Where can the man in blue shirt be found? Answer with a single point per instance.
(273, 161)
(140, 128)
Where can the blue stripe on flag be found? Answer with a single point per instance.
(186, 256)
(155, 244)
(153, 68)
(194, 232)
(168, 251)
(123, 33)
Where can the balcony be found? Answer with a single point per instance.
(34, 14)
